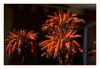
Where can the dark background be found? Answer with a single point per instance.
(32, 16)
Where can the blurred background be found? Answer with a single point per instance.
(32, 16)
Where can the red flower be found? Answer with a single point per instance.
(17, 38)
(63, 27)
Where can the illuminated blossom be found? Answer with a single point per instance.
(62, 31)
(17, 38)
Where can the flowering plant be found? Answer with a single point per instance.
(17, 38)
(62, 31)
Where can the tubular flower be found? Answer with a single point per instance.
(17, 38)
(61, 43)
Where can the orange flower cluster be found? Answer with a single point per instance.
(17, 38)
(62, 29)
